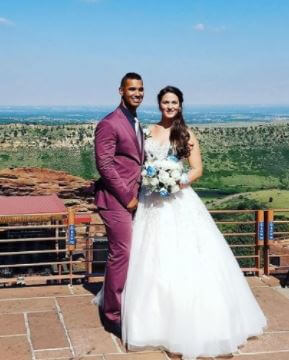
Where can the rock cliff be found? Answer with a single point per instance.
(74, 190)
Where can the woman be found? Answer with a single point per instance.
(185, 291)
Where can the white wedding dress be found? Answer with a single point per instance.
(184, 291)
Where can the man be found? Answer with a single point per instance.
(119, 157)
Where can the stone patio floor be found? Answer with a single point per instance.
(59, 322)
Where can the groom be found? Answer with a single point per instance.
(119, 157)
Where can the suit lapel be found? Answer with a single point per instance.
(131, 132)
(142, 145)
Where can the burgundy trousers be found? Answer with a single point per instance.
(118, 225)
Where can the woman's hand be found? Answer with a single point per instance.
(183, 186)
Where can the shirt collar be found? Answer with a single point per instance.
(131, 116)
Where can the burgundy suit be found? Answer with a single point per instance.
(119, 159)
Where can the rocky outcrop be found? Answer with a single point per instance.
(74, 190)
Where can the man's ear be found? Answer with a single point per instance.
(120, 91)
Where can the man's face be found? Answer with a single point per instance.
(132, 93)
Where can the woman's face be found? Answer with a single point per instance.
(169, 105)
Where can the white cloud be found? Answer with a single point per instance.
(216, 29)
(5, 22)
(199, 27)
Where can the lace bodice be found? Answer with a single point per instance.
(155, 150)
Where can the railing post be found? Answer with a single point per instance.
(71, 238)
(269, 236)
(259, 238)
(57, 222)
(89, 252)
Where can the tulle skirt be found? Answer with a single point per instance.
(185, 291)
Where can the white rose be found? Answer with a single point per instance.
(173, 165)
(171, 182)
(164, 164)
(148, 163)
(144, 172)
(177, 166)
(164, 174)
(164, 177)
(175, 189)
(154, 181)
(145, 181)
(157, 163)
(165, 181)
(175, 174)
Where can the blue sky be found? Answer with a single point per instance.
(74, 52)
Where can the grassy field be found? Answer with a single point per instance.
(274, 198)
(75, 161)
(270, 199)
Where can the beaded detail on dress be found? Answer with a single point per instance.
(155, 150)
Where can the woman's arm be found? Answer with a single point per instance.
(194, 160)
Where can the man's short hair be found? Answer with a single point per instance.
(130, 75)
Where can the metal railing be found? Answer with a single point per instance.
(23, 259)
(244, 232)
(72, 255)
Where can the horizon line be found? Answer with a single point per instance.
(144, 105)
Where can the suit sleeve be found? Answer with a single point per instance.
(105, 144)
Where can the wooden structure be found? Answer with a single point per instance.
(276, 247)
(38, 241)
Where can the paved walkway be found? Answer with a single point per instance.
(59, 322)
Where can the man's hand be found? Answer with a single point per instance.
(132, 205)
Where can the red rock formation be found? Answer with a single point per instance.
(75, 191)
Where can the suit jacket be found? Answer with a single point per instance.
(119, 159)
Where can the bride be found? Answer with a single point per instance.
(185, 292)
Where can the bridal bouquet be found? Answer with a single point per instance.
(162, 176)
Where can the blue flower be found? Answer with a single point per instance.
(173, 158)
(164, 192)
(151, 171)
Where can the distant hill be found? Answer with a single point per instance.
(236, 158)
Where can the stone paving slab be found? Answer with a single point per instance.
(12, 324)
(137, 356)
(34, 291)
(100, 357)
(268, 356)
(47, 332)
(267, 342)
(26, 305)
(283, 292)
(79, 312)
(255, 281)
(15, 348)
(92, 341)
(270, 281)
(275, 306)
(178, 357)
(62, 324)
(53, 354)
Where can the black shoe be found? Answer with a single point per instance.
(114, 328)
(110, 326)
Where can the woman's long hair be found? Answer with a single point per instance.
(179, 135)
